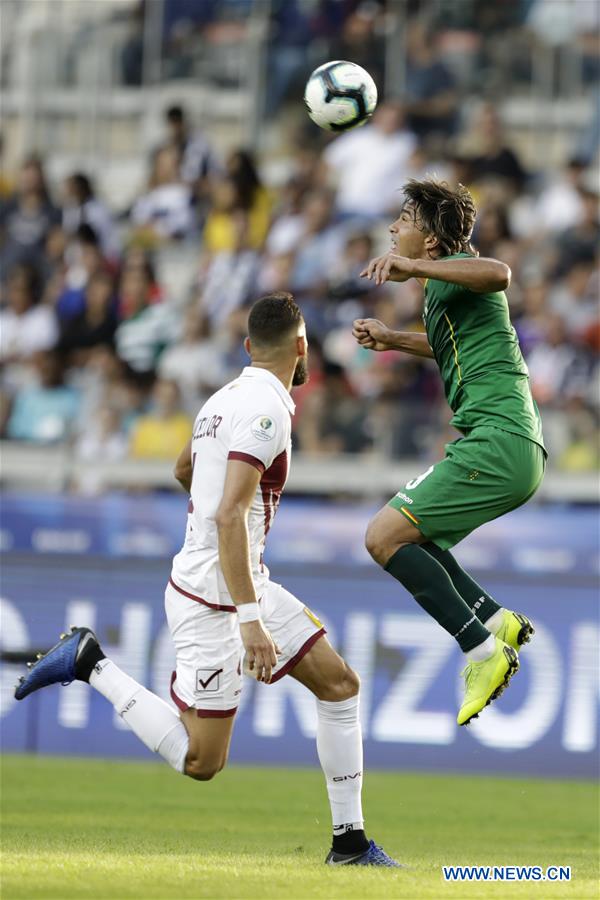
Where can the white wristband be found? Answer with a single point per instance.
(248, 612)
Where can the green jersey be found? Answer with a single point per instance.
(476, 348)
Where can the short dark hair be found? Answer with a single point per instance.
(446, 212)
(273, 317)
(175, 113)
(85, 234)
(83, 185)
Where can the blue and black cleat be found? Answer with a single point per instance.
(67, 661)
(374, 856)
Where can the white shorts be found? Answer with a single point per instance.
(209, 649)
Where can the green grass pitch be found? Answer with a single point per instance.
(74, 828)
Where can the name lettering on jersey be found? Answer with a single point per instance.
(207, 426)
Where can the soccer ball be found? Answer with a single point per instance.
(340, 95)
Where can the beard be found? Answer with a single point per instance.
(301, 375)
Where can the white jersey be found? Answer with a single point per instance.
(250, 420)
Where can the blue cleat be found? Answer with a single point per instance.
(374, 856)
(62, 664)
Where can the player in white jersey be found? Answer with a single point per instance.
(222, 608)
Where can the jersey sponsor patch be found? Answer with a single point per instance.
(263, 428)
(312, 617)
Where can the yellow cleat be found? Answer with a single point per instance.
(485, 681)
(516, 630)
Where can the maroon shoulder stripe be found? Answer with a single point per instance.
(247, 458)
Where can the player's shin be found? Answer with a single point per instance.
(339, 745)
(151, 719)
(431, 586)
(480, 602)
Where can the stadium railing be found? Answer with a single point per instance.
(58, 468)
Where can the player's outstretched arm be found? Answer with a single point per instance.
(374, 335)
(241, 483)
(183, 467)
(478, 274)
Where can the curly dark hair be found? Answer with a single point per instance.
(272, 318)
(446, 212)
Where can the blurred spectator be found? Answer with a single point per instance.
(45, 412)
(230, 276)
(431, 95)
(550, 361)
(331, 420)
(26, 217)
(489, 154)
(194, 362)
(198, 161)
(165, 211)
(368, 190)
(165, 430)
(581, 241)
(560, 204)
(291, 31)
(53, 264)
(491, 227)
(252, 197)
(362, 40)
(102, 382)
(102, 441)
(26, 327)
(238, 196)
(82, 207)
(344, 279)
(137, 258)
(582, 452)
(6, 182)
(85, 259)
(318, 245)
(132, 53)
(146, 328)
(95, 324)
(575, 298)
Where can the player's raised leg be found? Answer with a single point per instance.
(515, 629)
(190, 745)
(394, 542)
(339, 745)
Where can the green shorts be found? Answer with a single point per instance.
(483, 475)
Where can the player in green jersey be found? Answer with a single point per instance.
(495, 467)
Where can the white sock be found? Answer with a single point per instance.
(494, 623)
(339, 745)
(482, 651)
(150, 718)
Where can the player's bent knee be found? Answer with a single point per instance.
(203, 770)
(376, 544)
(351, 683)
(344, 686)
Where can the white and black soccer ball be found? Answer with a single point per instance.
(340, 95)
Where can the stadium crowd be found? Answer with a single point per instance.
(99, 351)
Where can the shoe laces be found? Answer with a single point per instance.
(378, 854)
(468, 674)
